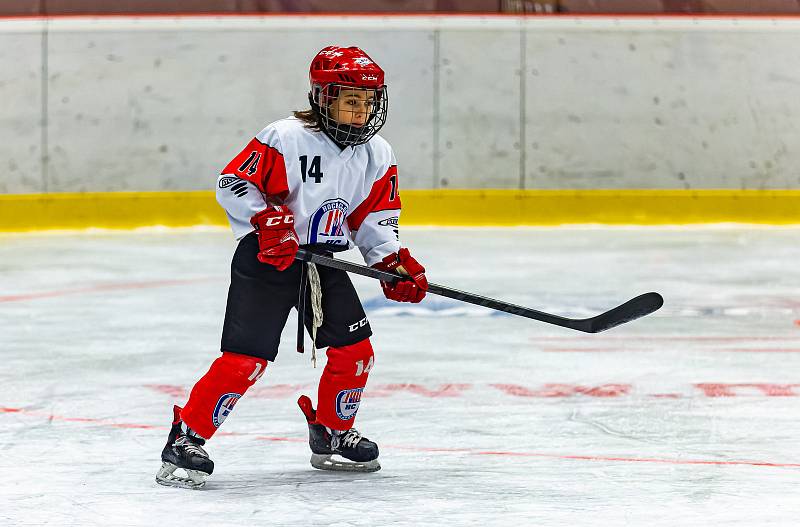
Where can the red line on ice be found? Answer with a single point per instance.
(592, 350)
(761, 350)
(104, 287)
(470, 451)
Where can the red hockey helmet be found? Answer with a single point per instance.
(335, 69)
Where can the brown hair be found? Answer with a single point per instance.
(310, 119)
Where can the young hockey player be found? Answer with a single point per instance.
(322, 180)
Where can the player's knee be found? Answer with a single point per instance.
(355, 359)
(244, 367)
(214, 396)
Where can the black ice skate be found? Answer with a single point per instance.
(184, 451)
(361, 453)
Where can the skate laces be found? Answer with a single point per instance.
(350, 438)
(190, 446)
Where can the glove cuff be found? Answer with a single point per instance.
(389, 263)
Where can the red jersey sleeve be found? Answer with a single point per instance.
(262, 165)
(375, 221)
(383, 196)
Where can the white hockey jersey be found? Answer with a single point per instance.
(340, 198)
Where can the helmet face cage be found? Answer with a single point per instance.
(346, 134)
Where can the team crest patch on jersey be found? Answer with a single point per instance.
(327, 222)
(224, 407)
(347, 403)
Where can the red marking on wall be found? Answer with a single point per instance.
(104, 287)
(470, 451)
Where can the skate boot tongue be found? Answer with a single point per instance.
(192, 435)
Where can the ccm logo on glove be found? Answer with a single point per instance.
(277, 220)
(277, 239)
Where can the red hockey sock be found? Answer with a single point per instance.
(341, 384)
(216, 393)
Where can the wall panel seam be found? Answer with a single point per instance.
(523, 69)
(436, 107)
(44, 147)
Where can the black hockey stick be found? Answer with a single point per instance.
(631, 310)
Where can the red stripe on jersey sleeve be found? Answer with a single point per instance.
(263, 166)
(384, 195)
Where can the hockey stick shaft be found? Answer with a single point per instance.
(631, 310)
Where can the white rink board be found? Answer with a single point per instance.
(167, 110)
(479, 121)
(662, 109)
(687, 417)
(162, 103)
(21, 112)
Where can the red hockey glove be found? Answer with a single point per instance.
(277, 241)
(412, 290)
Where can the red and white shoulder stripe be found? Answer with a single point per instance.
(261, 163)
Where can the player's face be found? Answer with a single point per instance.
(353, 107)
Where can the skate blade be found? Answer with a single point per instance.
(327, 462)
(166, 476)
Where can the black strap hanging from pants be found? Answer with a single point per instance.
(301, 307)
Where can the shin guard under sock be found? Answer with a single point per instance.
(341, 384)
(217, 392)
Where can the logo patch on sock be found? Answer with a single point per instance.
(347, 403)
(224, 407)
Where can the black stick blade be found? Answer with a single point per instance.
(631, 310)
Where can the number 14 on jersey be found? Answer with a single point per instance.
(313, 171)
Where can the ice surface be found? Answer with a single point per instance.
(690, 416)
